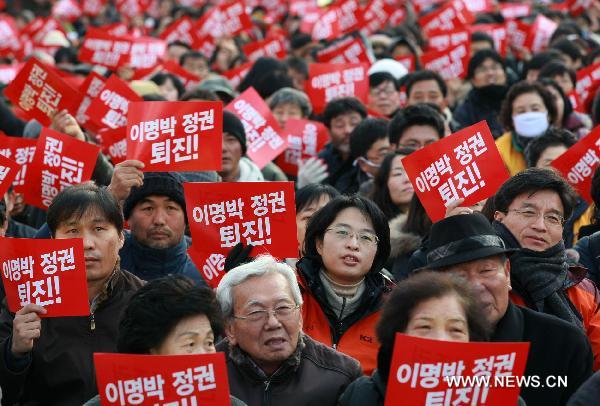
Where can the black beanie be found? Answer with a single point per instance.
(168, 184)
(233, 126)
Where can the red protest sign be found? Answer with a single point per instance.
(511, 11)
(39, 92)
(273, 47)
(68, 10)
(227, 19)
(49, 273)
(179, 30)
(326, 26)
(222, 215)
(427, 372)
(59, 161)
(190, 379)
(350, 49)
(9, 37)
(92, 7)
(440, 40)
(263, 135)
(451, 63)
(175, 136)
(540, 33)
(236, 75)
(578, 164)
(211, 266)
(498, 34)
(480, 6)
(8, 73)
(328, 81)
(305, 139)
(517, 32)
(91, 88)
(109, 108)
(588, 81)
(453, 168)
(21, 151)
(8, 173)
(376, 15)
(114, 143)
(408, 61)
(452, 15)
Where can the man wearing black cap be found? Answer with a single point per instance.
(235, 166)
(468, 245)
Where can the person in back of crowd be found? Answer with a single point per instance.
(481, 40)
(487, 73)
(266, 76)
(289, 103)
(297, 69)
(176, 49)
(341, 276)
(527, 113)
(538, 61)
(236, 167)
(369, 144)
(529, 214)
(14, 228)
(384, 95)
(561, 74)
(428, 87)
(429, 305)
(571, 53)
(416, 127)
(392, 190)
(270, 360)
(196, 63)
(49, 360)
(170, 86)
(578, 123)
(154, 207)
(220, 86)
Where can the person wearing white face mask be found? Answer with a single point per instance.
(527, 113)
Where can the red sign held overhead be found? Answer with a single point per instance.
(540, 33)
(132, 379)
(273, 47)
(514, 10)
(49, 273)
(222, 215)
(176, 136)
(579, 163)
(450, 64)
(350, 49)
(498, 34)
(40, 92)
(109, 108)
(263, 135)
(225, 20)
(179, 30)
(305, 139)
(114, 143)
(440, 40)
(91, 88)
(8, 172)
(21, 151)
(435, 372)
(466, 165)
(9, 37)
(450, 16)
(328, 81)
(588, 81)
(59, 161)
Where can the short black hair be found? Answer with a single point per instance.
(377, 78)
(557, 68)
(552, 138)
(199, 94)
(381, 190)
(568, 106)
(480, 57)
(365, 134)
(298, 64)
(66, 54)
(540, 59)
(312, 192)
(524, 87)
(157, 307)
(533, 180)
(423, 75)
(161, 78)
(343, 105)
(418, 114)
(75, 201)
(192, 55)
(410, 293)
(480, 36)
(567, 47)
(321, 220)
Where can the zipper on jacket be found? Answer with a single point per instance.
(92, 321)
(266, 397)
(337, 333)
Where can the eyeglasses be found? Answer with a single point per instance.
(281, 313)
(485, 69)
(551, 219)
(384, 91)
(365, 238)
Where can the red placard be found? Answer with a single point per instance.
(68, 10)
(21, 151)
(263, 135)
(227, 19)
(427, 372)
(59, 161)
(328, 81)
(540, 33)
(326, 25)
(109, 108)
(440, 40)
(498, 34)
(305, 139)
(8, 172)
(93, 7)
(349, 16)
(480, 6)
(8, 72)
(588, 81)
(132, 8)
(176, 136)
(351, 49)
(9, 37)
(451, 63)
(466, 165)
(179, 30)
(514, 10)
(377, 14)
(212, 266)
(578, 164)
(450, 16)
(273, 47)
(49, 273)
(39, 92)
(256, 213)
(408, 61)
(114, 143)
(236, 75)
(162, 379)
(517, 32)
(91, 88)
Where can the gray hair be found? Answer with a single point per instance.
(287, 95)
(262, 265)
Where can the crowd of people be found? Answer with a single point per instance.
(519, 266)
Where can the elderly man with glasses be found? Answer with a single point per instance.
(529, 212)
(270, 361)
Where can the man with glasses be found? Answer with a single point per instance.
(269, 359)
(416, 127)
(384, 94)
(530, 212)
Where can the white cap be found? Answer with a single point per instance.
(389, 65)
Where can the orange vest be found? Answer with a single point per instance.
(359, 341)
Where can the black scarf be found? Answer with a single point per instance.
(541, 278)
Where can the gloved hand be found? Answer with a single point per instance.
(312, 170)
(238, 255)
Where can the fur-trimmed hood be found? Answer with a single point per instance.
(402, 242)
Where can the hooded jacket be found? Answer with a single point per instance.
(403, 245)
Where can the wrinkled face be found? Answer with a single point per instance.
(531, 218)
(192, 335)
(549, 155)
(440, 318)
(198, 66)
(426, 91)
(231, 155)
(157, 222)
(101, 242)
(384, 99)
(169, 91)
(303, 217)
(528, 102)
(268, 342)
(345, 249)
(401, 190)
(490, 279)
(340, 129)
(283, 112)
(489, 72)
(418, 136)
